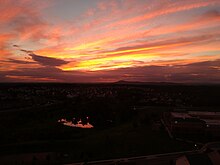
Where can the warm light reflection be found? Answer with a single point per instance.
(78, 125)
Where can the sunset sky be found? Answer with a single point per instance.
(110, 40)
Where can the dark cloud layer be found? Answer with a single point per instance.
(47, 61)
(42, 60)
(18, 61)
(200, 72)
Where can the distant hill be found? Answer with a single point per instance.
(145, 83)
(124, 82)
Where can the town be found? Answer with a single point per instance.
(45, 121)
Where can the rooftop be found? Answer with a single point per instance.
(208, 113)
(212, 122)
(180, 115)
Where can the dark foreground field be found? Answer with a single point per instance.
(126, 119)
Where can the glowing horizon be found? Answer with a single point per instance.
(105, 41)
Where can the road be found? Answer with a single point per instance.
(159, 159)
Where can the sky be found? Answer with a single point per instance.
(110, 40)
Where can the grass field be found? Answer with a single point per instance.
(136, 137)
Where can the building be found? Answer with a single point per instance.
(193, 123)
(208, 155)
(182, 124)
(212, 158)
(205, 115)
